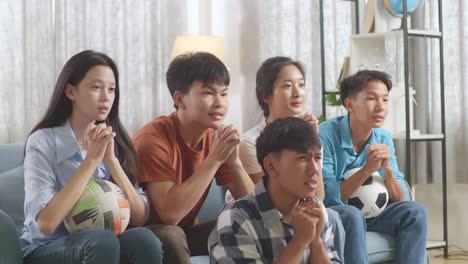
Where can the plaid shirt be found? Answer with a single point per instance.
(251, 230)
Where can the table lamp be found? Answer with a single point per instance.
(194, 43)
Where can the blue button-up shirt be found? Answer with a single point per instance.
(339, 156)
(52, 157)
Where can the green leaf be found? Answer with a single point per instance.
(333, 99)
(321, 119)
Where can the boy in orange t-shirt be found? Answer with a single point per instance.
(180, 154)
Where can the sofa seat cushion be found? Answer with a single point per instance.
(380, 247)
(200, 260)
(12, 195)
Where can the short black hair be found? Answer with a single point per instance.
(290, 133)
(266, 76)
(195, 66)
(353, 84)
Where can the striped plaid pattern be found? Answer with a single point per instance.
(251, 230)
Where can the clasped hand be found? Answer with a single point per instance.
(100, 142)
(307, 220)
(225, 145)
(378, 156)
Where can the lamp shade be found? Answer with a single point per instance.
(194, 43)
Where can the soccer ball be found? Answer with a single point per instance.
(372, 197)
(102, 205)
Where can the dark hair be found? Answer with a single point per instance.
(290, 133)
(60, 106)
(353, 84)
(198, 66)
(266, 76)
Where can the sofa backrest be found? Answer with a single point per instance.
(213, 204)
(11, 156)
(12, 183)
(12, 188)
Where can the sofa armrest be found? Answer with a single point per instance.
(408, 194)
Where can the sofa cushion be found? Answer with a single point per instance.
(11, 156)
(12, 195)
(380, 247)
(213, 204)
(200, 260)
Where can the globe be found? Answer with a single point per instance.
(395, 7)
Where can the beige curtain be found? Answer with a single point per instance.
(38, 36)
(426, 79)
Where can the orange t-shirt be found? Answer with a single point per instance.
(164, 156)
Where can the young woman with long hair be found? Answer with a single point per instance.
(79, 138)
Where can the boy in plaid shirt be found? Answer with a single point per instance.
(282, 221)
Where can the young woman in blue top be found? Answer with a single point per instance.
(81, 137)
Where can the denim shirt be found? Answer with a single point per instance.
(339, 156)
(52, 157)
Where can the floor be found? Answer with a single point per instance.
(430, 195)
(435, 256)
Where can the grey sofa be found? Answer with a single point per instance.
(380, 247)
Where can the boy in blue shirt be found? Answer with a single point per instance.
(356, 140)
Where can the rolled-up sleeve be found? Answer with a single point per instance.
(40, 181)
(393, 162)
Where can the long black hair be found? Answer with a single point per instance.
(60, 106)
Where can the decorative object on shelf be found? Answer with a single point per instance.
(381, 51)
(395, 119)
(368, 20)
(343, 71)
(395, 7)
(385, 15)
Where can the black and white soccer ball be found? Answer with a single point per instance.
(372, 197)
